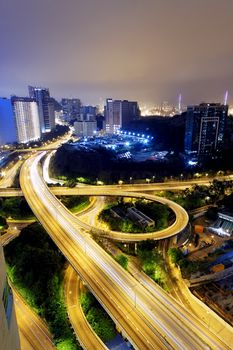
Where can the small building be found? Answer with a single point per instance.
(139, 217)
(117, 213)
(198, 229)
(217, 268)
(224, 225)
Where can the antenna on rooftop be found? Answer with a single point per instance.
(226, 98)
(179, 103)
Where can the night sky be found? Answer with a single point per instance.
(145, 50)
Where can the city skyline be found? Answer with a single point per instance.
(148, 51)
(116, 179)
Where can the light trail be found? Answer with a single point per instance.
(152, 320)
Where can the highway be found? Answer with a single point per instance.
(178, 288)
(12, 233)
(151, 321)
(9, 175)
(76, 315)
(34, 334)
(79, 190)
(178, 226)
(211, 318)
(33, 331)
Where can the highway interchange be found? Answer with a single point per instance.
(130, 304)
(150, 320)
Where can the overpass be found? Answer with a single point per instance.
(178, 226)
(150, 321)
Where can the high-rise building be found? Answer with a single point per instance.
(112, 113)
(205, 127)
(88, 113)
(26, 118)
(130, 111)
(85, 128)
(9, 337)
(100, 122)
(45, 107)
(71, 108)
(7, 122)
(118, 114)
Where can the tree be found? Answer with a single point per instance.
(3, 222)
(212, 213)
(122, 260)
(175, 254)
(71, 183)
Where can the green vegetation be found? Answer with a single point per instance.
(152, 262)
(187, 267)
(16, 208)
(71, 183)
(198, 196)
(75, 203)
(102, 163)
(3, 223)
(36, 266)
(122, 260)
(158, 212)
(99, 320)
(212, 213)
(117, 224)
(227, 201)
(176, 255)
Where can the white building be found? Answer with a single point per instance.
(85, 128)
(27, 119)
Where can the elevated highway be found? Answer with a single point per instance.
(80, 189)
(178, 226)
(150, 321)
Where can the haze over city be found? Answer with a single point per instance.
(116, 175)
(148, 50)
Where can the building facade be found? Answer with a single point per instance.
(8, 132)
(86, 128)
(130, 111)
(118, 114)
(88, 113)
(26, 119)
(71, 108)
(205, 129)
(45, 107)
(9, 337)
